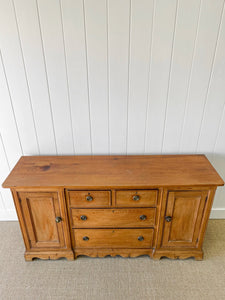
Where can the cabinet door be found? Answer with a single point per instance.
(43, 219)
(183, 217)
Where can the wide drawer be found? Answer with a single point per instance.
(113, 238)
(89, 198)
(136, 198)
(110, 218)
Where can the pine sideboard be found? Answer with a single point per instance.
(156, 205)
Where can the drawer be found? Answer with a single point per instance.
(110, 218)
(135, 198)
(89, 198)
(113, 238)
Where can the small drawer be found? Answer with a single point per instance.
(136, 198)
(113, 238)
(89, 198)
(111, 218)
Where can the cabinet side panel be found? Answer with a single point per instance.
(21, 218)
(209, 203)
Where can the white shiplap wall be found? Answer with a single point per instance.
(111, 77)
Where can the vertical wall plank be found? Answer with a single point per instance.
(8, 126)
(52, 35)
(4, 167)
(202, 66)
(163, 31)
(73, 24)
(215, 99)
(2, 207)
(28, 24)
(140, 43)
(218, 159)
(96, 36)
(183, 50)
(16, 76)
(118, 37)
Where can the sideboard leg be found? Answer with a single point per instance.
(199, 256)
(28, 257)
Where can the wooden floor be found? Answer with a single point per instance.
(112, 278)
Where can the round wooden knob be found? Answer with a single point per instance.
(140, 238)
(86, 238)
(83, 218)
(143, 217)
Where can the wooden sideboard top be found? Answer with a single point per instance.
(113, 171)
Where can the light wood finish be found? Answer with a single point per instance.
(133, 171)
(178, 186)
(113, 238)
(102, 218)
(30, 255)
(186, 210)
(43, 237)
(93, 252)
(146, 198)
(98, 198)
(178, 254)
(40, 211)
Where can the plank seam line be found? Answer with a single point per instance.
(66, 70)
(169, 79)
(88, 86)
(128, 76)
(149, 75)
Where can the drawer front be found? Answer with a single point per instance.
(110, 218)
(113, 238)
(89, 198)
(135, 198)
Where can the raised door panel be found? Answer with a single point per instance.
(39, 212)
(184, 213)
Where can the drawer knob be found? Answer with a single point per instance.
(58, 219)
(86, 238)
(136, 197)
(168, 219)
(89, 198)
(143, 217)
(83, 218)
(140, 238)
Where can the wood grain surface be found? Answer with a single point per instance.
(89, 198)
(113, 171)
(109, 218)
(113, 238)
(146, 198)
